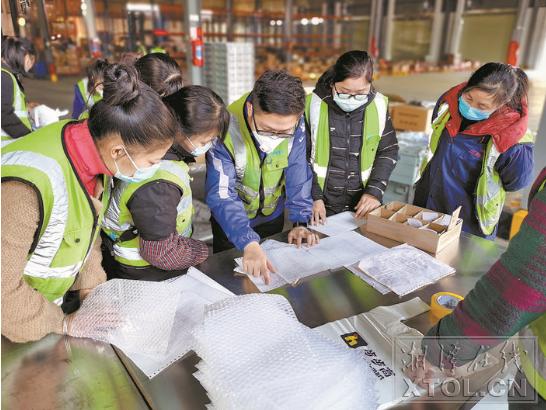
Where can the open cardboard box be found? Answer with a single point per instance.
(425, 229)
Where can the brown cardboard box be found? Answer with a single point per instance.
(391, 221)
(406, 117)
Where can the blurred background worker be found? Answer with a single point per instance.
(88, 91)
(261, 169)
(480, 148)
(148, 225)
(55, 190)
(18, 57)
(353, 146)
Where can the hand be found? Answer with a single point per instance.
(255, 262)
(424, 373)
(31, 105)
(319, 213)
(299, 233)
(366, 204)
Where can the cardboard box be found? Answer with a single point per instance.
(393, 221)
(408, 117)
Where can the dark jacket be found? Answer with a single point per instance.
(11, 123)
(451, 176)
(343, 186)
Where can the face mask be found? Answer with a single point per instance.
(141, 174)
(349, 104)
(267, 144)
(470, 113)
(197, 151)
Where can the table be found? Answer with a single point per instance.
(61, 372)
(319, 299)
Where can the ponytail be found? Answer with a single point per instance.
(160, 72)
(131, 109)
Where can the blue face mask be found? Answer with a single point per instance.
(197, 151)
(141, 174)
(470, 113)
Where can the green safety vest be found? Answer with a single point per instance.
(490, 193)
(375, 116)
(89, 99)
(118, 223)
(259, 183)
(69, 221)
(158, 50)
(19, 105)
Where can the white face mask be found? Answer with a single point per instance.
(140, 175)
(267, 144)
(349, 104)
(197, 151)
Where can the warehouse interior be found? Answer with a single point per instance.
(420, 50)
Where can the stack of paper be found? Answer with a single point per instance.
(339, 223)
(404, 269)
(292, 263)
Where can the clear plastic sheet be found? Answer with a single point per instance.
(255, 354)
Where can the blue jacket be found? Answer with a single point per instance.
(452, 174)
(78, 106)
(226, 206)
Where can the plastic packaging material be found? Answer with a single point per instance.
(132, 315)
(255, 354)
(44, 115)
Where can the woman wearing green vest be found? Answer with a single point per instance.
(18, 56)
(88, 90)
(148, 225)
(479, 149)
(353, 147)
(55, 188)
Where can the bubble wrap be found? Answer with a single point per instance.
(132, 315)
(255, 354)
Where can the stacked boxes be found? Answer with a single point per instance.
(229, 69)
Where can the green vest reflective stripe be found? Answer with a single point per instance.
(490, 193)
(88, 99)
(19, 105)
(259, 183)
(375, 116)
(118, 219)
(69, 220)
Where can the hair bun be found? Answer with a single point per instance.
(121, 84)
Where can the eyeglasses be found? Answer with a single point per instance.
(273, 134)
(357, 97)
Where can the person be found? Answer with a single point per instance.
(259, 170)
(509, 299)
(88, 91)
(480, 148)
(18, 58)
(353, 147)
(55, 187)
(160, 72)
(149, 223)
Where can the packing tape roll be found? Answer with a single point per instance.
(443, 303)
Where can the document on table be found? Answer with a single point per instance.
(404, 269)
(368, 279)
(292, 263)
(339, 223)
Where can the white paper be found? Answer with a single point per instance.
(292, 263)
(339, 223)
(446, 219)
(44, 115)
(430, 216)
(404, 269)
(416, 223)
(369, 280)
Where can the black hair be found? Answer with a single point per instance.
(95, 74)
(507, 84)
(352, 64)
(14, 50)
(131, 109)
(160, 72)
(277, 92)
(199, 110)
